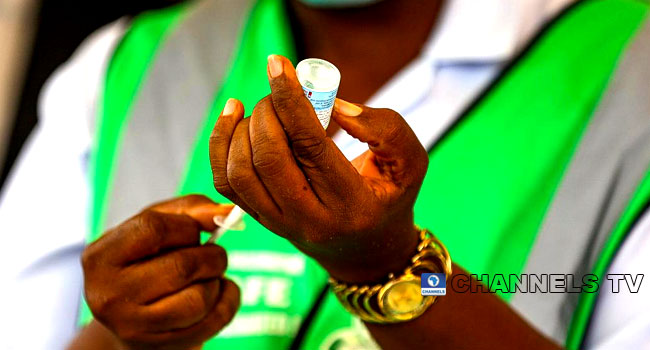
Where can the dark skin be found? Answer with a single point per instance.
(354, 218)
(326, 34)
(463, 321)
(150, 283)
(284, 171)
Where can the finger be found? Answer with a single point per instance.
(222, 313)
(274, 162)
(242, 176)
(198, 207)
(330, 173)
(142, 236)
(220, 140)
(292, 107)
(219, 316)
(182, 309)
(397, 151)
(171, 272)
(173, 223)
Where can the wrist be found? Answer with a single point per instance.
(399, 298)
(391, 255)
(95, 336)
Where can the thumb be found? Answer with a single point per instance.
(392, 141)
(198, 207)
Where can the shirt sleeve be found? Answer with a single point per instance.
(44, 206)
(621, 319)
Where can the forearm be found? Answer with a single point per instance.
(467, 320)
(95, 336)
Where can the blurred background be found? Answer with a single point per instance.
(36, 36)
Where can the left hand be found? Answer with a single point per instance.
(355, 218)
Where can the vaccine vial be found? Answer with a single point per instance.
(320, 81)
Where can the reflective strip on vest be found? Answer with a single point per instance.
(172, 104)
(609, 165)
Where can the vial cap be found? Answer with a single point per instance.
(318, 75)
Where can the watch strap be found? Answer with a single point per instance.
(399, 298)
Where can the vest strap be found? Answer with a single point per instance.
(611, 161)
(628, 197)
(172, 104)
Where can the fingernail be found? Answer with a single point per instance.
(219, 220)
(347, 108)
(275, 66)
(230, 107)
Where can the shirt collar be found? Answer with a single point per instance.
(469, 32)
(474, 31)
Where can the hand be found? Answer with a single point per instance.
(355, 218)
(152, 283)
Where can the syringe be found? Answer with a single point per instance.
(233, 221)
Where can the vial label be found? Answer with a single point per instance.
(323, 102)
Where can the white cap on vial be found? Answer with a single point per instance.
(320, 82)
(318, 75)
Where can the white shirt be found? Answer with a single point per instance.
(44, 208)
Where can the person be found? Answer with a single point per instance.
(504, 190)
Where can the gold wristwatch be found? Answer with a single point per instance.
(400, 298)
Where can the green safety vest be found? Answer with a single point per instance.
(495, 193)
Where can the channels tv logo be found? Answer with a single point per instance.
(434, 284)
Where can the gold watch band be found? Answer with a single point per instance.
(395, 301)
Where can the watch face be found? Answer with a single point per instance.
(404, 297)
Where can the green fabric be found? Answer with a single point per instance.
(266, 32)
(587, 301)
(490, 181)
(126, 71)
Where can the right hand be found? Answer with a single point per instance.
(151, 282)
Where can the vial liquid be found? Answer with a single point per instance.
(320, 82)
